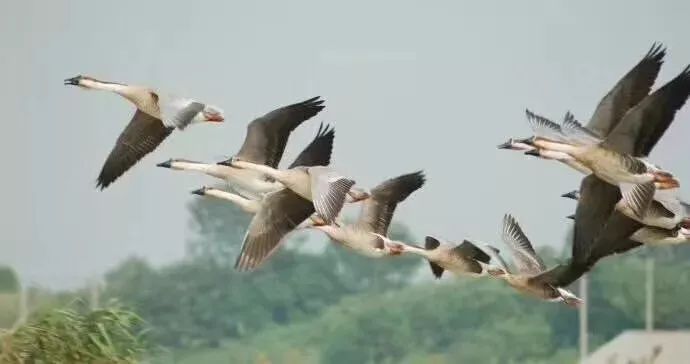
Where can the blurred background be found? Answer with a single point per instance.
(408, 85)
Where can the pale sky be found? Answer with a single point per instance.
(408, 85)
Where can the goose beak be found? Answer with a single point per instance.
(166, 164)
(227, 162)
(532, 152)
(74, 81)
(571, 195)
(571, 217)
(506, 145)
(201, 191)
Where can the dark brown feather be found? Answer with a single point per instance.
(318, 152)
(280, 213)
(378, 209)
(267, 135)
(141, 136)
(643, 125)
(627, 92)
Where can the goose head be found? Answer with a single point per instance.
(176, 163)
(210, 114)
(533, 152)
(201, 191)
(517, 144)
(86, 82)
(573, 195)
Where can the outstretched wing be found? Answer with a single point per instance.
(141, 136)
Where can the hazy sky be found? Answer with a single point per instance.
(408, 84)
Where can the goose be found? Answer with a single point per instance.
(368, 235)
(611, 166)
(529, 268)
(282, 211)
(463, 259)
(155, 118)
(327, 189)
(626, 93)
(264, 143)
(619, 156)
(600, 229)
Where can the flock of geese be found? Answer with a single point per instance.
(624, 200)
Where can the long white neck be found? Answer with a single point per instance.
(213, 170)
(268, 171)
(250, 206)
(415, 250)
(555, 146)
(137, 95)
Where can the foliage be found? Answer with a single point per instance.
(110, 335)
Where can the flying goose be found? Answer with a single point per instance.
(465, 258)
(610, 165)
(600, 228)
(626, 93)
(368, 235)
(156, 117)
(264, 143)
(281, 211)
(318, 152)
(530, 267)
(618, 156)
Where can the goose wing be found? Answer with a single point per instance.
(526, 259)
(280, 213)
(643, 125)
(141, 136)
(329, 191)
(377, 210)
(614, 239)
(318, 152)
(267, 135)
(627, 92)
(179, 112)
(596, 203)
(544, 127)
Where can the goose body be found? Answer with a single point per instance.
(464, 259)
(655, 236)
(282, 211)
(368, 236)
(156, 116)
(530, 268)
(326, 189)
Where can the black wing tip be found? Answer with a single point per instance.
(656, 53)
(431, 243)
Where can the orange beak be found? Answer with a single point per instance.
(214, 118)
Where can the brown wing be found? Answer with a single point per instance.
(613, 239)
(627, 92)
(378, 209)
(597, 201)
(318, 152)
(643, 125)
(141, 136)
(267, 135)
(280, 213)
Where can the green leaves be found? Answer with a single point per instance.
(112, 335)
